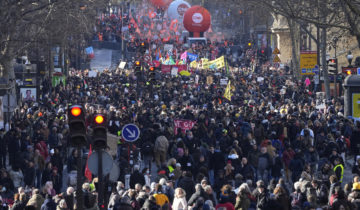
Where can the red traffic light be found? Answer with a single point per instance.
(333, 61)
(262, 51)
(99, 119)
(75, 111)
(151, 68)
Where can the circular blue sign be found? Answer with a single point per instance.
(130, 132)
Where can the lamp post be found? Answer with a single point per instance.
(334, 43)
(349, 57)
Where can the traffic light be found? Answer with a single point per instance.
(152, 75)
(76, 116)
(143, 47)
(332, 66)
(137, 68)
(348, 72)
(99, 137)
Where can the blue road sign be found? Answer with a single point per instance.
(130, 132)
(358, 71)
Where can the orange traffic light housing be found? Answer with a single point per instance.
(77, 126)
(99, 135)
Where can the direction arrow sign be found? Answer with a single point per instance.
(130, 132)
(276, 51)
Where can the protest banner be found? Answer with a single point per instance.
(166, 69)
(184, 125)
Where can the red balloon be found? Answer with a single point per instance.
(197, 19)
(161, 3)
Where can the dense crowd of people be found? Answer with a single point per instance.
(269, 147)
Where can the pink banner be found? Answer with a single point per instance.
(184, 125)
(166, 69)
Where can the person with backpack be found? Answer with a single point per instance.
(147, 149)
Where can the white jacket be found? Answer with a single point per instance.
(17, 177)
(179, 204)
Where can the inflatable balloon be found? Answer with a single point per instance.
(160, 3)
(197, 19)
(177, 9)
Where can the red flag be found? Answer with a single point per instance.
(87, 171)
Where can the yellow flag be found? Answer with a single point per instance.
(220, 62)
(228, 93)
(193, 64)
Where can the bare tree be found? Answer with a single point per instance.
(24, 22)
(324, 14)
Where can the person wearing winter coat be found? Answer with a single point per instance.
(69, 198)
(48, 204)
(123, 204)
(187, 183)
(199, 192)
(287, 156)
(29, 174)
(296, 166)
(36, 200)
(16, 176)
(216, 162)
(262, 197)
(136, 177)
(20, 201)
(150, 204)
(160, 150)
(263, 164)
(282, 198)
(179, 202)
(245, 169)
(242, 198)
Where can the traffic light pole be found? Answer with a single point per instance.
(100, 179)
(79, 193)
(336, 74)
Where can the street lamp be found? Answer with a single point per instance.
(349, 57)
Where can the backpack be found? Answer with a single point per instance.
(147, 148)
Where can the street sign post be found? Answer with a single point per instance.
(308, 62)
(107, 163)
(130, 132)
